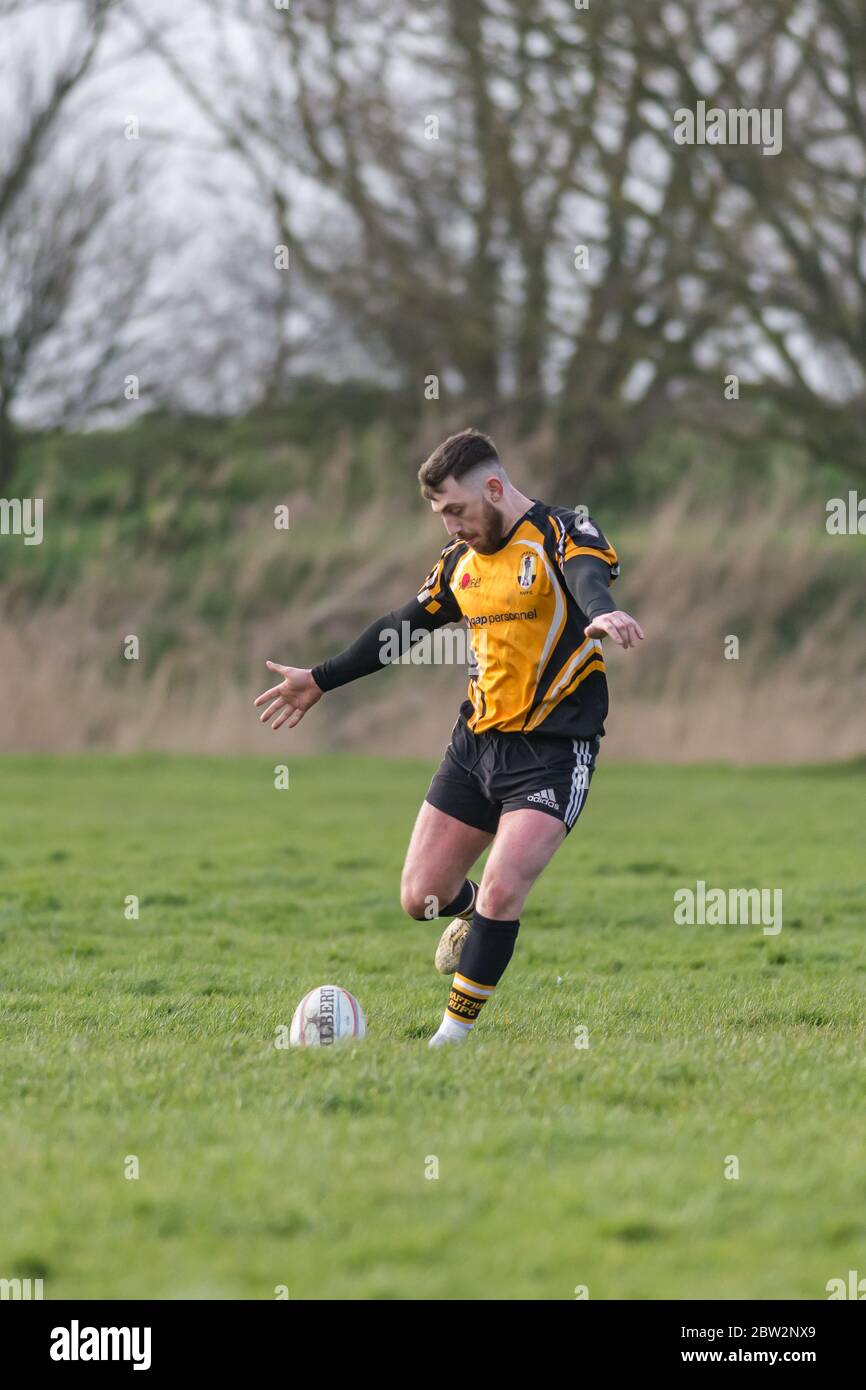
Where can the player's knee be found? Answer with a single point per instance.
(500, 899)
(413, 901)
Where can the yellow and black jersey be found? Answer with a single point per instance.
(526, 606)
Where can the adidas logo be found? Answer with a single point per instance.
(548, 797)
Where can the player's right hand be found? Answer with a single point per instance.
(296, 693)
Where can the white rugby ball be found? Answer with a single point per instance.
(327, 1015)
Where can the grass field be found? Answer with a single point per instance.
(558, 1167)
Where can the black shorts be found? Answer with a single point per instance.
(483, 776)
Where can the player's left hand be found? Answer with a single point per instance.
(624, 630)
(290, 700)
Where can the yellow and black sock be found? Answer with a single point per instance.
(483, 961)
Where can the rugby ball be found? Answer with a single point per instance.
(327, 1015)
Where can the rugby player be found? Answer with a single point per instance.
(532, 582)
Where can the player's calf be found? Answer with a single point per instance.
(526, 841)
(487, 950)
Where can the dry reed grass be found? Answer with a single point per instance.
(692, 576)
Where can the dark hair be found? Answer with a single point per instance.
(455, 457)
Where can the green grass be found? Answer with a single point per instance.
(262, 1167)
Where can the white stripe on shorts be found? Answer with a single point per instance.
(579, 780)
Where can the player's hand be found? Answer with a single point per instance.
(290, 700)
(623, 629)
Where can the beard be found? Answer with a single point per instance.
(492, 528)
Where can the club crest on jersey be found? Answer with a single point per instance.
(527, 572)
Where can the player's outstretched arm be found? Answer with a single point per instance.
(296, 693)
(300, 688)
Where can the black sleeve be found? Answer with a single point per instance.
(588, 580)
(365, 655)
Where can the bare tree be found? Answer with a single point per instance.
(74, 263)
(433, 169)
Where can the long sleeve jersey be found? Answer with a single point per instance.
(526, 606)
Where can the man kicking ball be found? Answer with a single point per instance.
(532, 582)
